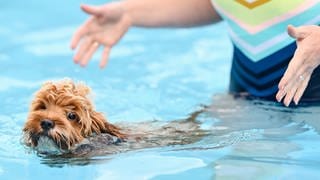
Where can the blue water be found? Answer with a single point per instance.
(152, 75)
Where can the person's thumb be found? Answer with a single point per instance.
(93, 10)
(297, 32)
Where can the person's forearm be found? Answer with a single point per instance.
(170, 13)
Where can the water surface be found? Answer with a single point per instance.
(162, 75)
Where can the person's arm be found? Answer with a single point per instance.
(171, 13)
(109, 22)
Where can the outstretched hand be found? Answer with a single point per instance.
(107, 24)
(305, 60)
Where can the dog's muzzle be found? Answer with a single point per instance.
(47, 146)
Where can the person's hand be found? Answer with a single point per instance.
(305, 60)
(107, 24)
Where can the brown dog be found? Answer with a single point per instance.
(63, 119)
(62, 113)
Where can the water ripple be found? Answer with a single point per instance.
(143, 166)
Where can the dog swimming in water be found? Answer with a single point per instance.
(63, 120)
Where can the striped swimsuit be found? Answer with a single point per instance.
(262, 47)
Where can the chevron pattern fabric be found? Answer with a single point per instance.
(262, 47)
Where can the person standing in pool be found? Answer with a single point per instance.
(272, 58)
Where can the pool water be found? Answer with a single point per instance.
(161, 75)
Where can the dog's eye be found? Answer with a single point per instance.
(72, 116)
(41, 106)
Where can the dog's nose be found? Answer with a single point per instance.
(47, 124)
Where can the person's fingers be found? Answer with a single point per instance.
(302, 78)
(296, 86)
(84, 61)
(93, 10)
(301, 88)
(295, 63)
(290, 93)
(84, 46)
(297, 32)
(286, 89)
(83, 30)
(105, 57)
(280, 94)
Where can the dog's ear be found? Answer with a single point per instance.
(100, 125)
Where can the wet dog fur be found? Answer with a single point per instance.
(63, 116)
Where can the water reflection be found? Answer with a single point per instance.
(280, 131)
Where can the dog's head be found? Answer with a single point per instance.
(62, 113)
